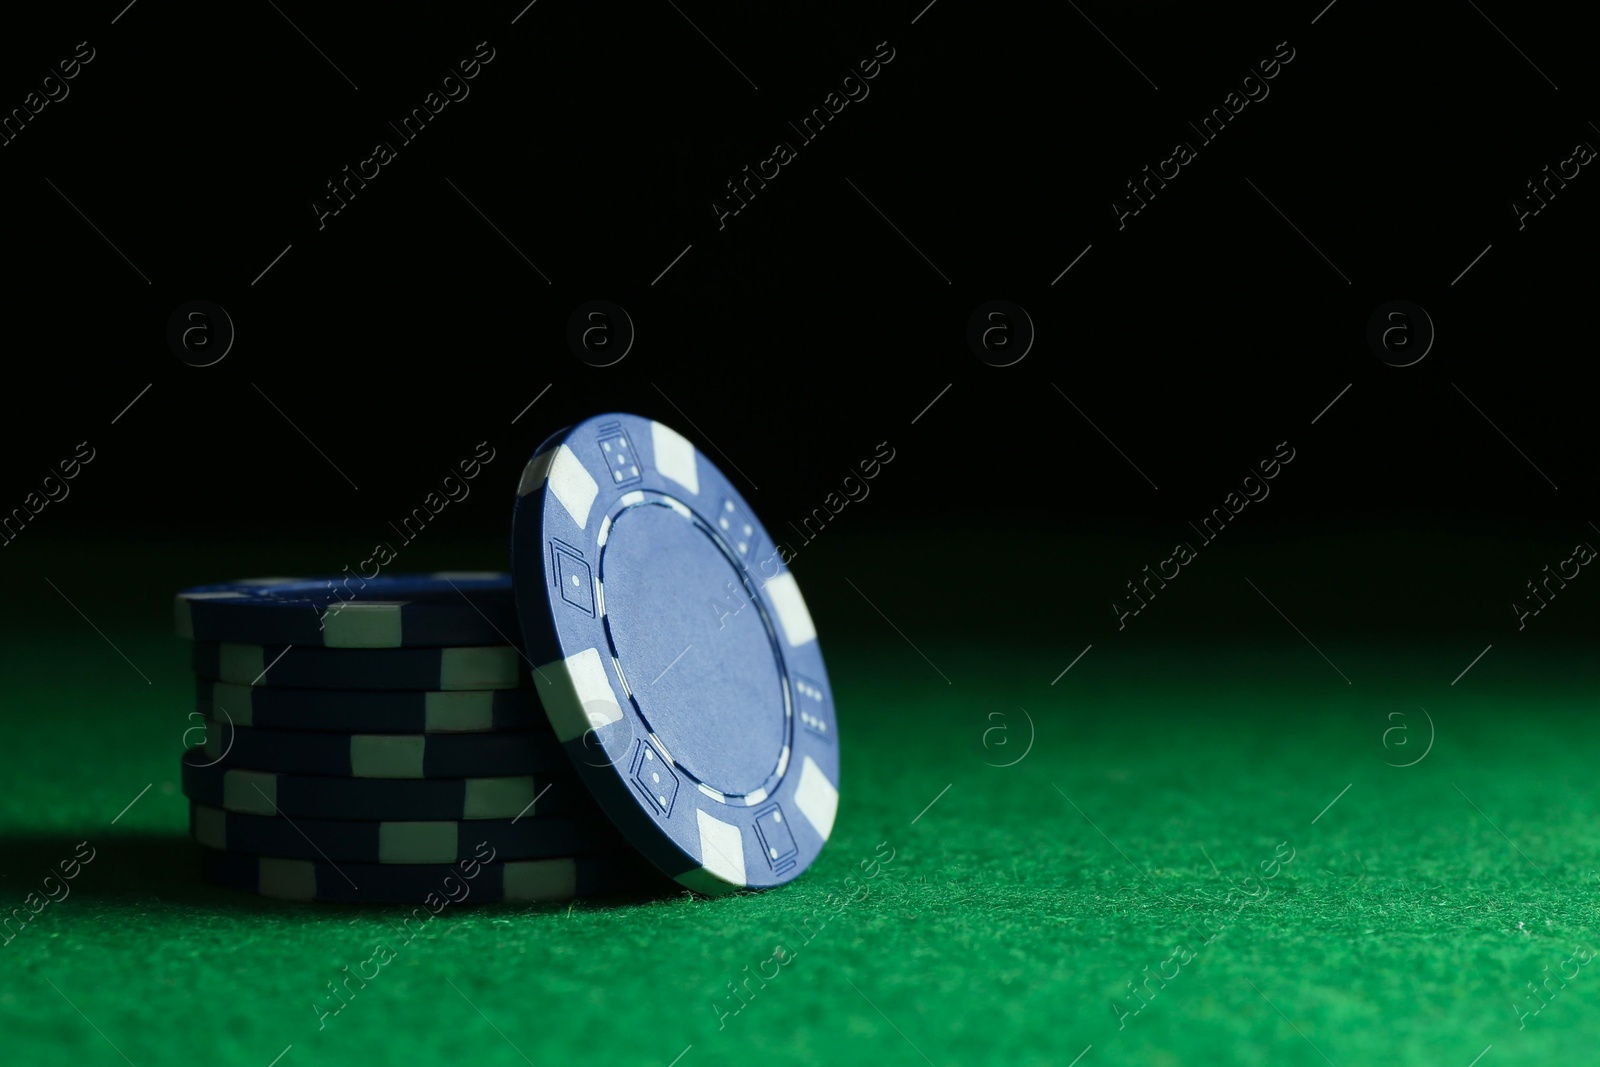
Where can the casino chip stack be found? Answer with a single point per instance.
(386, 739)
(381, 741)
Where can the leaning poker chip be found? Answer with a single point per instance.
(313, 667)
(345, 611)
(438, 885)
(370, 711)
(674, 655)
(381, 799)
(443, 841)
(380, 755)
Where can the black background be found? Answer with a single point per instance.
(793, 341)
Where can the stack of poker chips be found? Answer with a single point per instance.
(391, 739)
(382, 744)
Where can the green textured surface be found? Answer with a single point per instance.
(1019, 904)
(1003, 930)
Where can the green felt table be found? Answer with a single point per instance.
(1198, 851)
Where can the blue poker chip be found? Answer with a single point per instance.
(358, 711)
(440, 841)
(467, 881)
(388, 755)
(674, 655)
(311, 667)
(299, 796)
(348, 611)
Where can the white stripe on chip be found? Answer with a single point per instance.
(540, 880)
(569, 482)
(488, 667)
(241, 661)
(577, 695)
(362, 624)
(417, 842)
(461, 711)
(490, 798)
(533, 474)
(675, 457)
(798, 629)
(816, 797)
(387, 755)
(232, 703)
(255, 792)
(721, 849)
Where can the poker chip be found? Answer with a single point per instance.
(408, 800)
(314, 667)
(468, 881)
(347, 611)
(674, 655)
(444, 841)
(359, 711)
(379, 755)
(643, 695)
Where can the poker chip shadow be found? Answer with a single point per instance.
(163, 868)
(123, 866)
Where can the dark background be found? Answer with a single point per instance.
(1274, 684)
(789, 344)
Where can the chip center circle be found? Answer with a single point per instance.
(695, 646)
